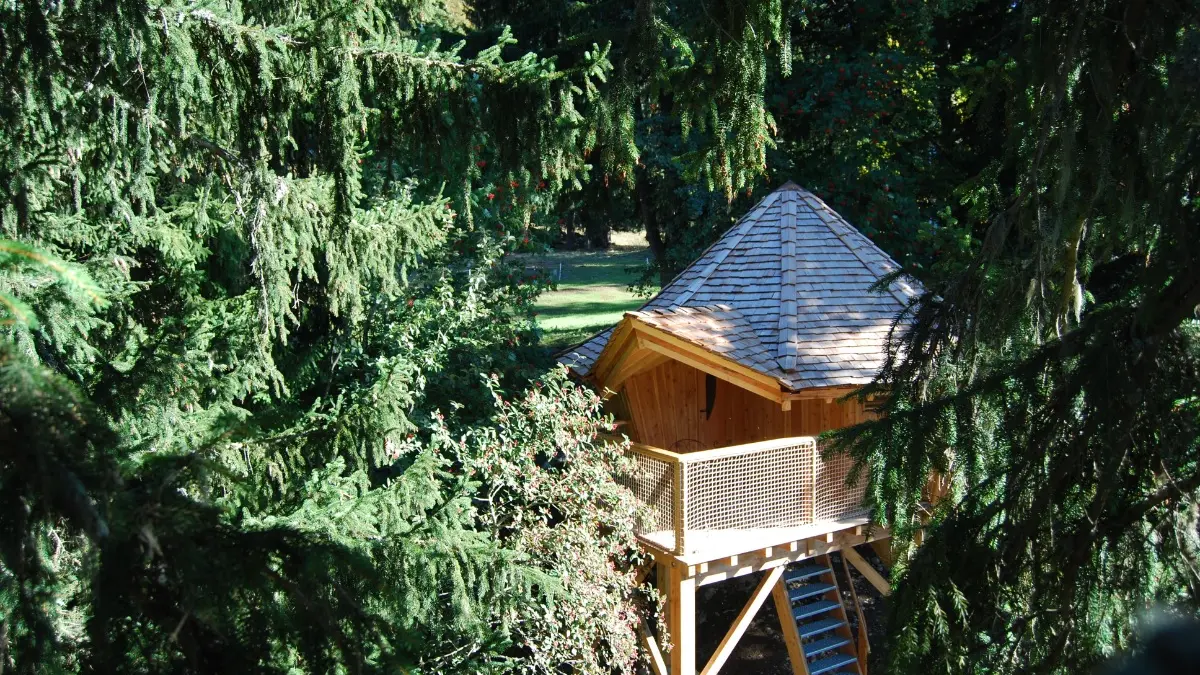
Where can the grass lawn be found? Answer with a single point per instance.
(594, 290)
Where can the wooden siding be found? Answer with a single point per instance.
(665, 406)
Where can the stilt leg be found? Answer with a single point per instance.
(681, 620)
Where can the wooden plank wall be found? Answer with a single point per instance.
(666, 404)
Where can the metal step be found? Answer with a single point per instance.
(814, 608)
(812, 628)
(830, 664)
(809, 590)
(806, 572)
(825, 644)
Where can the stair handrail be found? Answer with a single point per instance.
(862, 646)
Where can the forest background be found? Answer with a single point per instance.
(272, 398)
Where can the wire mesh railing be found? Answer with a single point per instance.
(694, 500)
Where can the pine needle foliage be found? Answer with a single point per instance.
(1054, 378)
(250, 306)
(860, 120)
(704, 64)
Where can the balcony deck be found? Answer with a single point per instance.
(713, 504)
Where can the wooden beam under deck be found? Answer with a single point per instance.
(729, 642)
(864, 568)
(769, 557)
(658, 665)
(680, 575)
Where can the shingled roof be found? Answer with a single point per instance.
(786, 292)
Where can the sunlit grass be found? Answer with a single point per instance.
(593, 292)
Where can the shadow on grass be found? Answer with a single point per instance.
(616, 270)
(560, 339)
(588, 308)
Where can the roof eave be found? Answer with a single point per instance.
(635, 333)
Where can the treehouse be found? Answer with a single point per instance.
(723, 381)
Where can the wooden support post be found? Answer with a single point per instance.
(639, 577)
(719, 657)
(864, 568)
(791, 632)
(681, 619)
(662, 576)
(657, 665)
(883, 549)
(679, 506)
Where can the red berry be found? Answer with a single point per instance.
(491, 196)
(481, 163)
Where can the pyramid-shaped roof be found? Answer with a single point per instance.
(787, 292)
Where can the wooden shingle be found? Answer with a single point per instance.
(786, 292)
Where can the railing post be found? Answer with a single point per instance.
(812, 482)
(680, 506)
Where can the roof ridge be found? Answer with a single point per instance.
(786, 351)
(843, 230)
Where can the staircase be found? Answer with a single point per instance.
(822, 639)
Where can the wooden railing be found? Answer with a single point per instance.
(695, 500)
(862, 647)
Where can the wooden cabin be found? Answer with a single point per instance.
(723, 381)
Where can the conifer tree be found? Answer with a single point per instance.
(860, 121)
(1053, 378)
(252, 284)
(686, 128)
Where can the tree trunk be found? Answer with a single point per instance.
(598, 233)
(649, 218)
